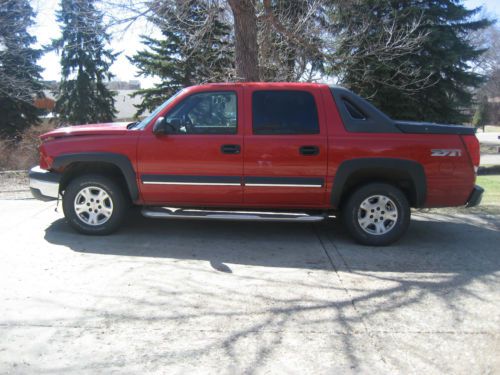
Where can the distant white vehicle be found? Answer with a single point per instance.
(489, 139)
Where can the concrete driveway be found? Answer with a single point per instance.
(176, 297)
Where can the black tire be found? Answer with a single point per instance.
(372, 194)
(116, 200)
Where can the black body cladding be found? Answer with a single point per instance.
(429, 128)
(164, 178)
(359, 116)
(121, 161)
(377, 168)
(247, 180)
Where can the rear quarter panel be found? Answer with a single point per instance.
(450, 179)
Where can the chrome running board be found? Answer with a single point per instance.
(187, 213)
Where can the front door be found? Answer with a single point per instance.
(285, 156)
(200, 161)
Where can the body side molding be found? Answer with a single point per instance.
(119, 160)
(169, 179)
(255, 181)
(267, 181)
(385, 167)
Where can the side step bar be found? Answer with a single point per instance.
(184, 213)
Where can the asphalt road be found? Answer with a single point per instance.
(228, 298)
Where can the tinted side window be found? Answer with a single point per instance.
(284, 112)
(354, 111)
(205, 113)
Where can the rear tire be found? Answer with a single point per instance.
(376, 214)
(94, 204)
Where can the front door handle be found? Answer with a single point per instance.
(230, 149)
(309, 150)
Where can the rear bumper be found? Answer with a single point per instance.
(44, 185)
(475, 197)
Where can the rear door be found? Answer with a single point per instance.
(200, 161)
(285, 156)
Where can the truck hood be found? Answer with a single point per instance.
(112, 128)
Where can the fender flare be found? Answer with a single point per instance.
(387, 166)
(118, 160)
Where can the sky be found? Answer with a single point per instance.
(128, 42)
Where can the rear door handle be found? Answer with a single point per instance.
(230, 149)
(309, 150)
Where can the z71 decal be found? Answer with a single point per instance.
(446, 152)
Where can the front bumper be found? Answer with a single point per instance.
(44, 185)
(475, 197)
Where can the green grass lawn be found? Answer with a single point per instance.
(491, 185)
(490, 205)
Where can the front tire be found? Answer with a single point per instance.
(377, 214)
(94, 204)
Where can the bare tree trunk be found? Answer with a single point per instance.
(247, 49)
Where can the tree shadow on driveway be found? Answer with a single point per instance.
(365, 308)
(433, 243)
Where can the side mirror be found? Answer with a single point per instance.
(160, 126)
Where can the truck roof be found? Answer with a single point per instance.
(264, 84)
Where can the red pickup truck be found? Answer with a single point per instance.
(260, 151)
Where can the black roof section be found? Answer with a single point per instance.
(360, 116)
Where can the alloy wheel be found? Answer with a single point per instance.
(377, 215)
(93, 205)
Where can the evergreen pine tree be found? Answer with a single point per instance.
(480, 118)
(19, 73)
(85, 61)
(194, 48)
(443, 60)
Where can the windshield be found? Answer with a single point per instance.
(142, 124)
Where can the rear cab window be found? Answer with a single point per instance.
(284, 112)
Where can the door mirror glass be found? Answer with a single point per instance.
(163, 126)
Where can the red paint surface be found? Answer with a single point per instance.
(449, 179)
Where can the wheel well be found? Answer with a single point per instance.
(76, 169)
(398, 178)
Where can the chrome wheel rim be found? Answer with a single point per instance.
(377, 215)
(93, 205)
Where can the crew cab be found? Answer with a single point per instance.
(260, 151)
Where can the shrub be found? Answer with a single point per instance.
(23, 152)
